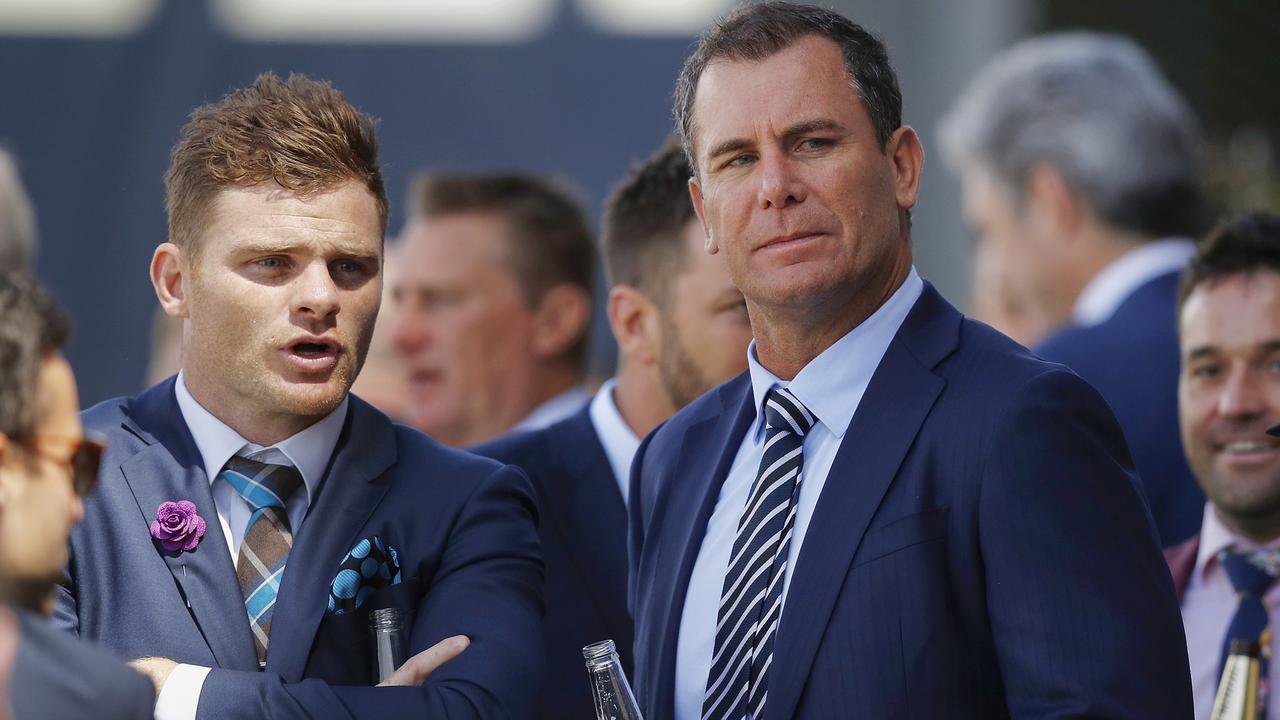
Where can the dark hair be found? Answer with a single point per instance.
(31, 328)
(1243, 244)
(550, 243)
(300, 133)
(644, 222)
(756, 31)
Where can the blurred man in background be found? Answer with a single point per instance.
(681, 328)
(1228, 395)
(1080, 169)
(17, 219)
(382, 381)
(46, 467)
(492, 305)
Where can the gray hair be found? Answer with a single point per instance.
(1097, 109)
(17, 219)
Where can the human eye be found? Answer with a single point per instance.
(814, 143)
(1205, 371)
(272, 264)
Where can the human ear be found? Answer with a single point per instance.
(168, 274)
(633, 320)
(906, 155)
(695, 194)
(560, 319)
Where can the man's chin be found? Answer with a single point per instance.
(33, 594)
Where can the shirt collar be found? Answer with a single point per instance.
(832, 384)
(553, 410)
(1215, 537)
(620, 443)
(308, 451)
(1117, 281)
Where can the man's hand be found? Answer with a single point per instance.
(156, 668)
(416, 669)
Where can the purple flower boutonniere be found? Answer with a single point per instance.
(178, 526)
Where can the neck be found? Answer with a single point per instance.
(1259, 529)
(264, 429)
(789, 339)
(1105, 246)
(640, 398)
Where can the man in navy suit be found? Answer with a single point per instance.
(681, 328)
(46, 466)
(1081, 181)
(251, 513)
(896, 512)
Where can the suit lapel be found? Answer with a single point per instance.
(352, 488)
(169, 468)
(899, 397)
(589, 510)
(706, 455)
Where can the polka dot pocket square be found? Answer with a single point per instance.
(370, 566)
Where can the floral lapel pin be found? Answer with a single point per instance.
(178, 527)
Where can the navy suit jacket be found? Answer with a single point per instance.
(57, 676)
(583, 528)
(980, 548)
(1133, 359)
(463, 526)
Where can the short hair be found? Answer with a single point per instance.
(1096, 108)
(31, 329)
(644, 222)
(18, 236)
(550, 242)
(753, 32)
(1243, 244)
(300, 133)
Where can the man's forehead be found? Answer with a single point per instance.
(732, 94)
(1241, 310)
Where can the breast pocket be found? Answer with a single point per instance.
(902, 533)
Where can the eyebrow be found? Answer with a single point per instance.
(256, 247)
(804, 127)
(1195, 353)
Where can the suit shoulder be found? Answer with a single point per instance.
(106, 415)
(526, 449)
(720, 399)
(419, 449)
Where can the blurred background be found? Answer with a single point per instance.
(93, 93)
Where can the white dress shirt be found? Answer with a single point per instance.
(1208, 603)
(620, 443)
(1117, 281)
(554, 410)
(308, 451)
(831, 387)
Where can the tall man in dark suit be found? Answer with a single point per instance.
(1081, 181)
(896, 512)
(1229, 394)
(251, 512)
(681, 328)
(46, 465)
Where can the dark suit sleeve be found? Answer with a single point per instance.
(488, 587)
(1082, 608)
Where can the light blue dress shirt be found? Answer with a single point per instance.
(830, 386)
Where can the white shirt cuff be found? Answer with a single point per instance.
(180, 695)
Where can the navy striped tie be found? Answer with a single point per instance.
(751, 600)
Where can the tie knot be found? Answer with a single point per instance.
(262, 484)
(1251, 572)
(784, 413)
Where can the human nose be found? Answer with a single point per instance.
(408, 328)
(780, 185)
(317, 293)
(1241, 395)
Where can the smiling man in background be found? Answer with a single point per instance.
(1228, 395)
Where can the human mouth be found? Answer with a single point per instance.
(786, 242)
(312, 354)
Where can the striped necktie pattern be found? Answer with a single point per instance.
(267, 539)
(751, 599)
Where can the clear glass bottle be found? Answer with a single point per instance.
(388, 641)
(609, 687)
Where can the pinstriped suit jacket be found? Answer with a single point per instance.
(980, 549)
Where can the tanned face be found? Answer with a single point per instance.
(1229, 393)
(280, 302)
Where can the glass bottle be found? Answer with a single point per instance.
(388, 641)
(1238, 691)
(609, 687)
